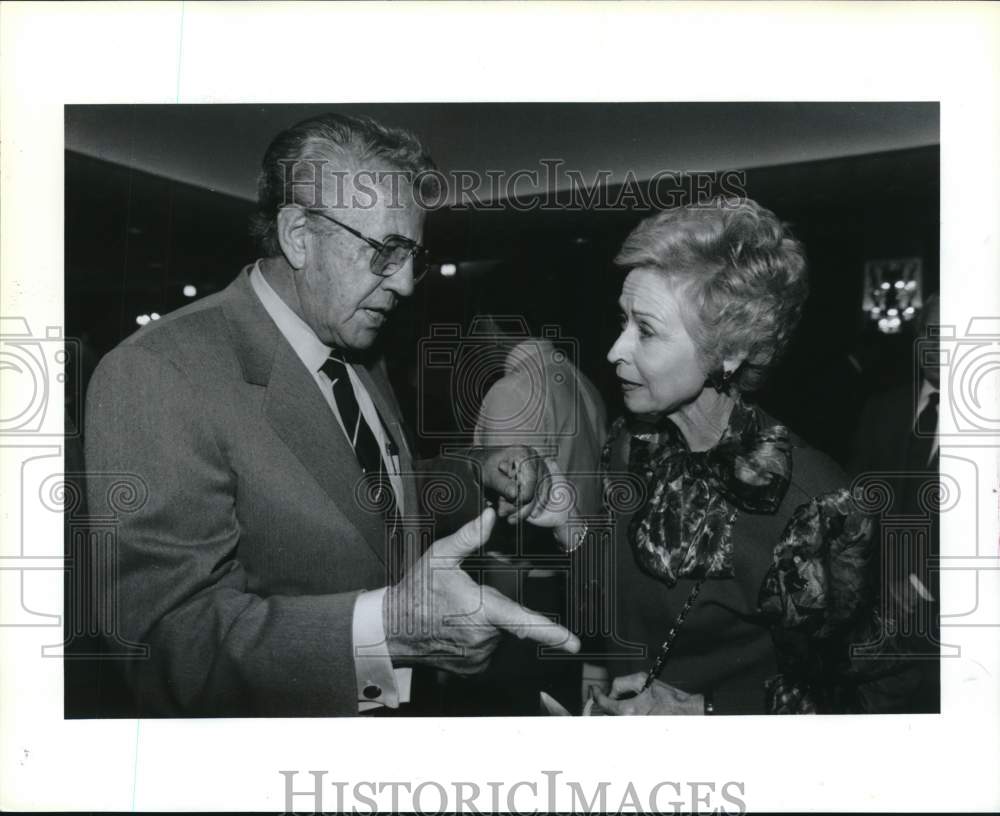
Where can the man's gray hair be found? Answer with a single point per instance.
(294, 158)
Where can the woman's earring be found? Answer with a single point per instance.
(721, 380)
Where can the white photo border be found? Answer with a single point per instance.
(57, 54)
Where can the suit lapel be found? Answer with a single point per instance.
(296, 409)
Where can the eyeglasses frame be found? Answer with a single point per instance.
(417, 251)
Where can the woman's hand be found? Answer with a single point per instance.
(659, 698)
(594, 677)
(559, 512)
(560, 498)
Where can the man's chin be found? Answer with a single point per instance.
(362, 341)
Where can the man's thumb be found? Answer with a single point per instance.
(467, 539)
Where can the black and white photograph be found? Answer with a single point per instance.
(488, 413)
(650, 399)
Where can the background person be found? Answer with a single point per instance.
(896, 444)
(543, 401)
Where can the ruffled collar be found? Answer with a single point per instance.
(683, 527)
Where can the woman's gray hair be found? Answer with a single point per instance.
(739, 269)
(290, 168)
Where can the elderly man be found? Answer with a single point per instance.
(273, 563)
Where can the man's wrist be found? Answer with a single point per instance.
(373, 666)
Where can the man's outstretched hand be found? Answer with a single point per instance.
(437, 615)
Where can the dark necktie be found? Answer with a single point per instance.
(378, 488)
(360, 435)
(925, 434)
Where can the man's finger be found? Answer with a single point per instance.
(503, 613)
(608, 705)
(466, 540)
(627, 684)
(537, 498)
(522, 512)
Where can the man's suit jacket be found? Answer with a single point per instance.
(241, 555)
(881, 452)
(882, 444)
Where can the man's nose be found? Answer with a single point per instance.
(401, 281)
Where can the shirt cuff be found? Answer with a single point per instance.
(379, 684)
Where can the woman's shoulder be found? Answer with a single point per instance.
(814, 473)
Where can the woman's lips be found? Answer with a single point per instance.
(627, 385)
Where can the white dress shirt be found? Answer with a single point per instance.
(922, 399)
(379, 684)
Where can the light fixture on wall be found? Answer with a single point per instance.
(893, 292)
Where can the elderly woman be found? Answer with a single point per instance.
(742, 564)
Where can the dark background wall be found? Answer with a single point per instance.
(133, 240)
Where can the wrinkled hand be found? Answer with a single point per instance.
(516, 473)
(437, 615)
(659, 698)
(560, 503)
(560, 512)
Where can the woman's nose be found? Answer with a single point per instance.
(616, 353)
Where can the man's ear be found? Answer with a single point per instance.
(293, 235)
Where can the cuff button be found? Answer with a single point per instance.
(371, 692)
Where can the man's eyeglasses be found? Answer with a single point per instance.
(391, 253)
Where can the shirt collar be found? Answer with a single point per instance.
(926, 389)
(309, 348)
